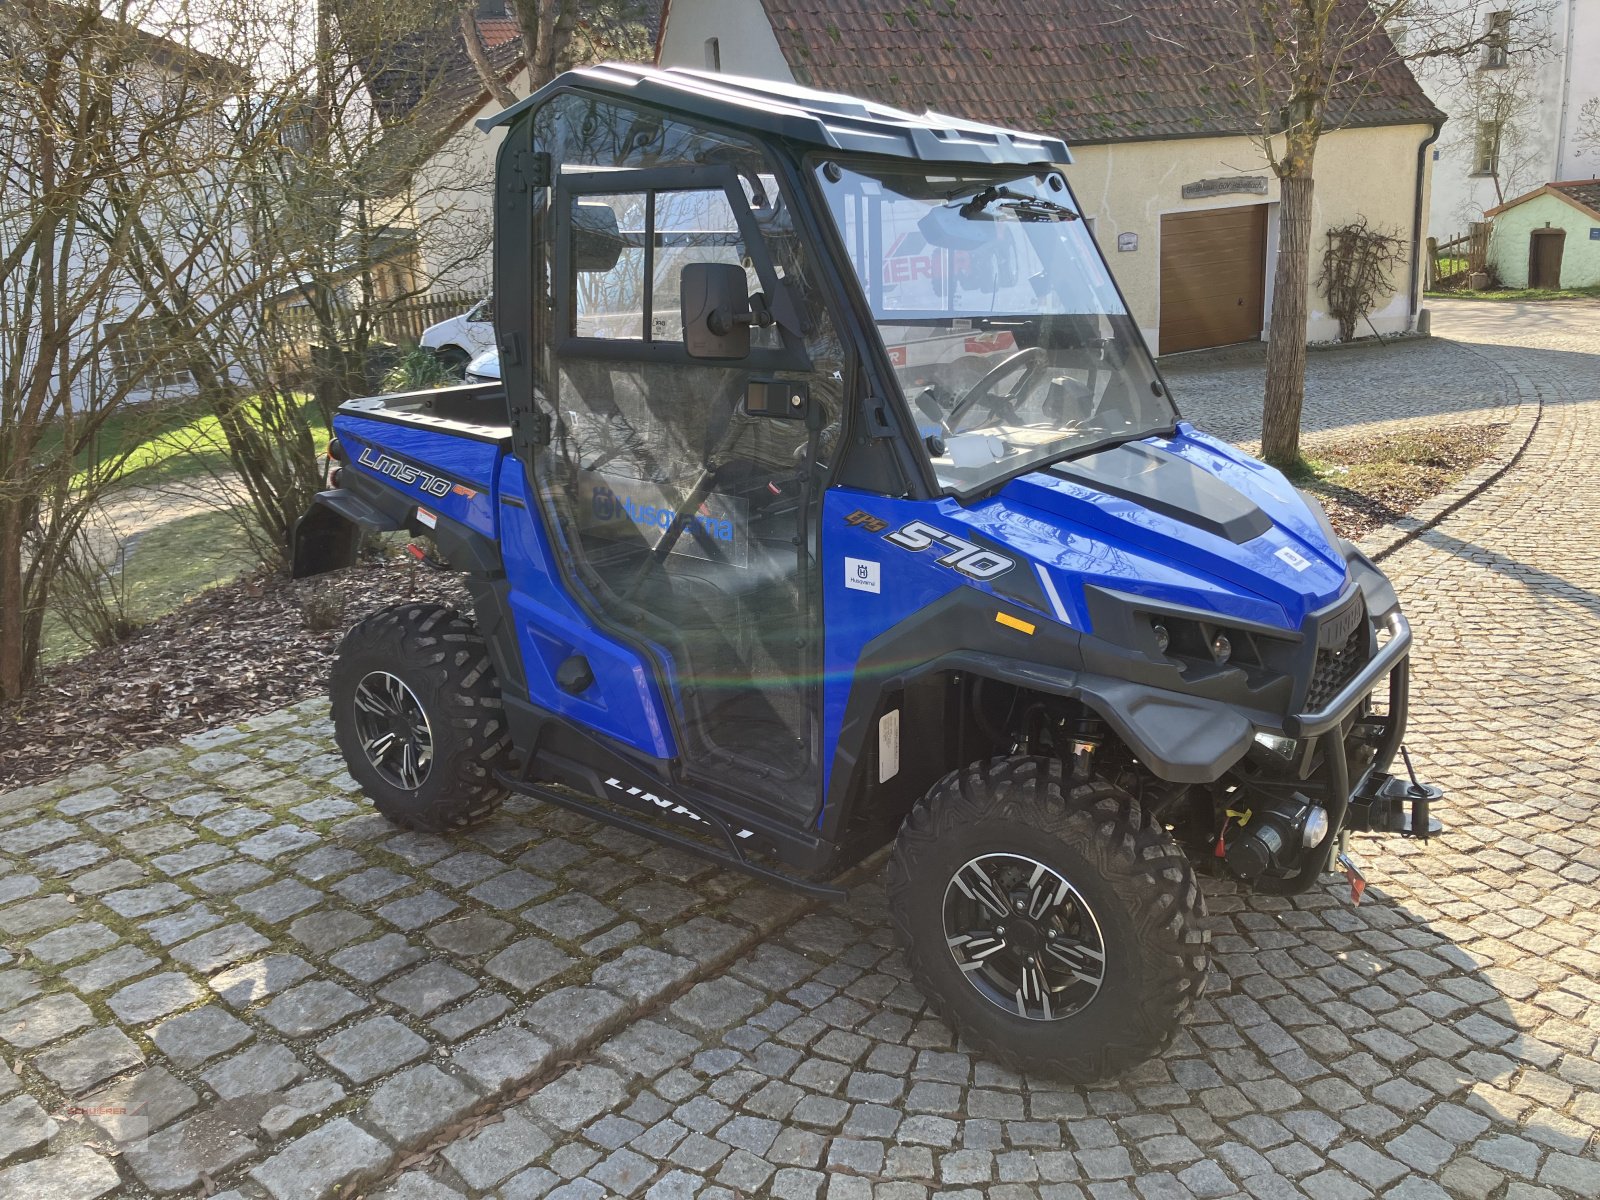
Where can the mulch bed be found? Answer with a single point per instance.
(1364, 483)
(243, 648)
(265, 641)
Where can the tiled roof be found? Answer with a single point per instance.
(497, 31)
(432, 67)
(1585, 191)
(1580, 193)
(1089, 70)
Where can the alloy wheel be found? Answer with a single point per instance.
(1024, 936)
(393, 729)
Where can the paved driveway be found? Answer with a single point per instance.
(222, 974)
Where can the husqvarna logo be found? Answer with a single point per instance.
(404, 472)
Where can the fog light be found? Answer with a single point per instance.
(1163, 638)
(1277, 743)
(1316, 827)
(1221, 648)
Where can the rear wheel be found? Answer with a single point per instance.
(454, 360)
(1057, 928)
(417, 715)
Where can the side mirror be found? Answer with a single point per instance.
(596, 238)
(715, 302)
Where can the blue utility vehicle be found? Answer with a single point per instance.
(831, 498)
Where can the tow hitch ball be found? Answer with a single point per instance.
(1389, 804)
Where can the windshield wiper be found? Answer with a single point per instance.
(1029, 208)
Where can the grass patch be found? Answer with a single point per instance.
(164, 442)
(190, 447)
(165, 567)
(1572, 293)
(1367, 482)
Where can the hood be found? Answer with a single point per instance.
(1185, 520)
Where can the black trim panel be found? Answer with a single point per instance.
(1169, 485)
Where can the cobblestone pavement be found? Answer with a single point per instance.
(1415, 381)
(222, 974)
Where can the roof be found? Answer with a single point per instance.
(430, 66)
(830, 121)
(1582, 194)
(157, 48)
(1087, 70)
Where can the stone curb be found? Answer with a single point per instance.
(1385, 540)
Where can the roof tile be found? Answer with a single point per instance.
(1089, 70)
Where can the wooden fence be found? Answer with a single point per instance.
(1451, 262)
(399, 323)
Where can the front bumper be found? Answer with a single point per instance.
(1390, 655)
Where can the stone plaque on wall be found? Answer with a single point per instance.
(1247, 185)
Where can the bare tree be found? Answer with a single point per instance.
(1309, 62)
(1586, 134)
(557, 35)
(308, 225)
(97, 114)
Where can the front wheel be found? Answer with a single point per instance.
(418, 717)
(1057, 928)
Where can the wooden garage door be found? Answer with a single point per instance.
(1213, 277)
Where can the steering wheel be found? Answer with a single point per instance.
(1028, 360)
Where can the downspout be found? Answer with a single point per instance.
(1566, 95)
(1417, 247)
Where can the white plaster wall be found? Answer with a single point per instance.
(1127, 187)
(1559, 84)
(452, 201)
(1581, 80)
(744, 37)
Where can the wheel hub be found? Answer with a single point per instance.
(1024, 936)
(393, 729)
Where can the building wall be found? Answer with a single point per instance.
(1543, 137)
(452, 202)
(745, 40)
(1581, 83)
(1127, 187)
(1508, 244)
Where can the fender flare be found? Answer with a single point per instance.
(1181, 738)
(328, 536)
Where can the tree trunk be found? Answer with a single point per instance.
(14, 667)
(503, 95)
(1286, 334)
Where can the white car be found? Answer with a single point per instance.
(457, 341)
(485, 368)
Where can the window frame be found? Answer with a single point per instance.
(1497, 41)
(572, 184)
(1486, 148)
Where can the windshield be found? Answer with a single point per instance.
(1006, 333)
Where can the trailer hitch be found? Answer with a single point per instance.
(1389, 804)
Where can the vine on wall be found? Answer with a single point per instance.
(1358, 270)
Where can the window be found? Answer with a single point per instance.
(143, 359)
(1486, 151)
(656, 234)
(1497, 40)
(713, 54)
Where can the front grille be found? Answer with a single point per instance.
(1337, 666)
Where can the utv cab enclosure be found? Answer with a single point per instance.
(831, 498)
